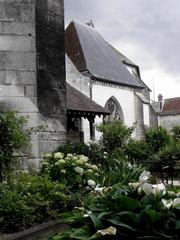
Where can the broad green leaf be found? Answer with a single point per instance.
(116, 221)
(153, 215)
(81, 234)
(96, 221)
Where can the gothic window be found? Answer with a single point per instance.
(115, 110)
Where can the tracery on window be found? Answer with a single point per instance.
(115, 110)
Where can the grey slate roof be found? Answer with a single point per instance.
(102, 61)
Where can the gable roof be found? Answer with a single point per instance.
(90, 52)
(78, 102)
(171, 106)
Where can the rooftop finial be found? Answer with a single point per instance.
(90, 23)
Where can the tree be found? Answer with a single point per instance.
(13, 136)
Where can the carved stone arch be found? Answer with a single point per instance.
(116, 113)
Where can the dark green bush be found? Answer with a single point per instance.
(157, 138)
(170, 154)
(138, 151)
(73, 147)
(176, 132)
(115, 135)
(13, 136)
(27, 200)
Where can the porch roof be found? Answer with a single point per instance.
(80, 105)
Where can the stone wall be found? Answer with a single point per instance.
(51, 85)
(18, 62)
(32, 68)
(169, 121)
(139, 130)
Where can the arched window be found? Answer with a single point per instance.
(116, 113)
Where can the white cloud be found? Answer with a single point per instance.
(147, 32)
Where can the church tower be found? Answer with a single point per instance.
(32, 68)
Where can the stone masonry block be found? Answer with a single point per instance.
(16, 43)
(10, 77)
(2, 77)
(30, 91)
(12, 91)
(18, 28)
(1, 27)
(27, 77)
(19, 104)
(17, 11)
(10, 11)
(28, 12)
(17, 61)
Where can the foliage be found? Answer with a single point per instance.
(157, 138)
(30, 199)
(13, 137)
(137, 151)
(78, 148)
(93, 151)
(124, 173)
(74, 171)
(142, 212)
(170, 154)
(176, 132)
(115, 135)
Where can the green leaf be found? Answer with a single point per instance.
(97, 223)
(81, 234)
(153, 215)
(116, 221)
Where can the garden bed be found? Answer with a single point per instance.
(42, 232)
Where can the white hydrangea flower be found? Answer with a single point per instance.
(87, 165)
(91, 183)
(79, 170)
(47, 155)
(63, 171)
(89, 171)
(58, 155)
(83, 158)
(94, 167)
(69, 155)
(61, 161)
(79, 162)
(44, 163)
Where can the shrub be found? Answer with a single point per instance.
(144, 212)
(157, 138)
(138, 151)
(74, 148)
(93, 151)
(123, 173)
(75, 171)
(176, 132)
(13, 137)
(27, 200)
(115, 135)
(170, 154)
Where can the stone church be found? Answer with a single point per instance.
(110, 79)
(97, 83)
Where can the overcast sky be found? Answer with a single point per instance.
(146, 31)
